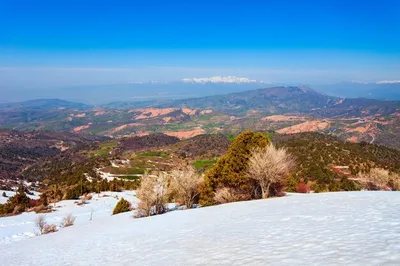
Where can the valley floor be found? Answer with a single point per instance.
(344, 228)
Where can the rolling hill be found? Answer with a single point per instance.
(282, 109)
(281, 100)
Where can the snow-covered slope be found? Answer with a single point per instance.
(349, 228)
(20, 227)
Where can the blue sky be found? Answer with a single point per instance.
(61, 43)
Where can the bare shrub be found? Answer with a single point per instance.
(68, 220)
(226, 195)
(270, 166)
(40, 223)
(161, 192)
(81, 202)
(184, 185)
(395, 181)
(152, 194)
(49, 228)
(88, 197)
(377, 176)
(44, 228)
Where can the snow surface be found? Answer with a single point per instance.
(19, 227)
(347, 228)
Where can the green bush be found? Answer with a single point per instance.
(349, 185)
(15, 204)
(122, 206)
(230, 170)
(318, 188)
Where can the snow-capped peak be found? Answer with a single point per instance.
(220, 79)
(388, 82)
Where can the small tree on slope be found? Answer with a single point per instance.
(122, 206)
(270, 166)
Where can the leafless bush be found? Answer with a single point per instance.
(377, 176)
(226, 195)
(184, 185)
(395, 181)
(270, 166)
(40, 223)
(152, 194)
(44, 228)
(68, 220)
(88, 197)
(49, 228)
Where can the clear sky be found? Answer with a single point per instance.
(61, 43)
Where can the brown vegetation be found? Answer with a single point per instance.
(226, 195)
(68, 220)
(270, 166)
(43, 227)
(152, 194)
(184, 185)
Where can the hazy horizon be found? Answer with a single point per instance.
(58, 45)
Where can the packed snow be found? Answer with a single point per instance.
(345, 228)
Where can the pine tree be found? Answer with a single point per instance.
(122, 206)
(231, 169)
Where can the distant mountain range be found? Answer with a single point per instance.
(385, 89)
(160, 91)
(282, 109)
(289, 99)
(273, 100)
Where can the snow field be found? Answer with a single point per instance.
(345, 228)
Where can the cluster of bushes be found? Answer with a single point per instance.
(64, 192)
(20, 202)
(315, 152)
(251, 169)
(45, 228)
(380, 179)
(180, 185)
